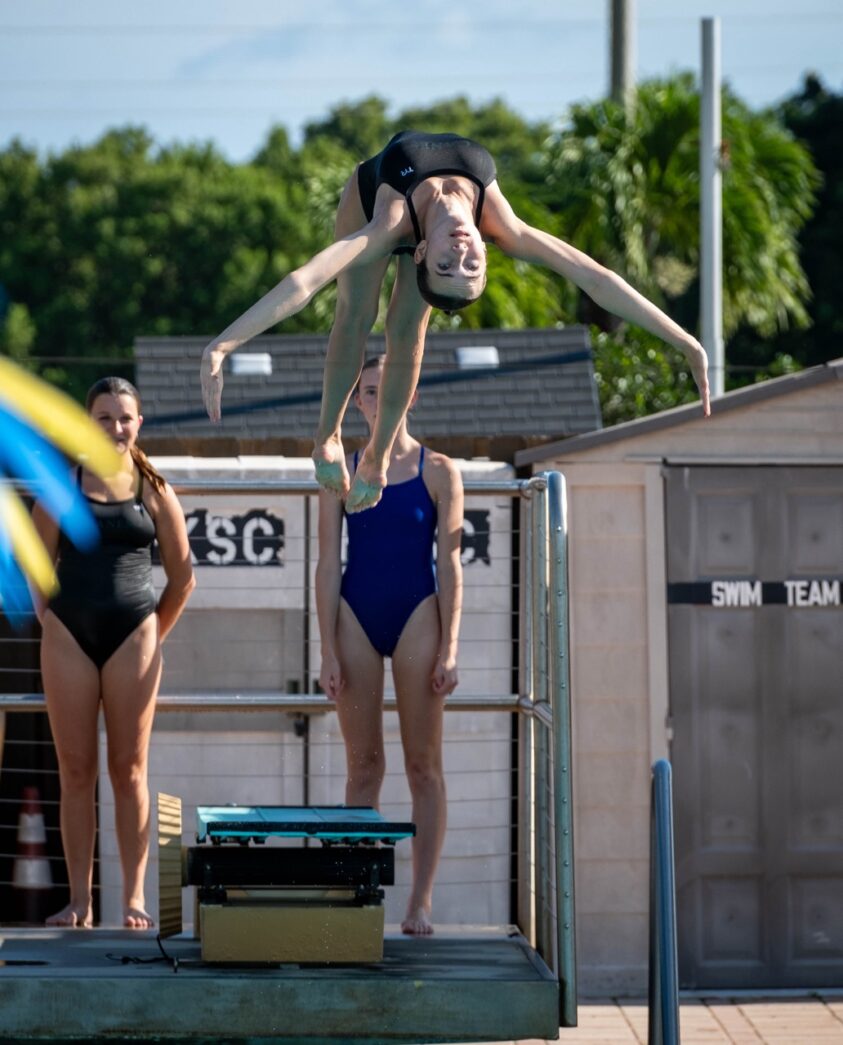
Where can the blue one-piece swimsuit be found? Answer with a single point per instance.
(390, 560)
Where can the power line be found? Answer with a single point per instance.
(285, 82)
(485, 26)
(275, 81)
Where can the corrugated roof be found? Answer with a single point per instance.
(543, 387)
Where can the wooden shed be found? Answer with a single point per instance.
(706, 568)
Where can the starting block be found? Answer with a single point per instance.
(280, 903)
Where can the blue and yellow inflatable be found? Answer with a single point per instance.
(36, 423)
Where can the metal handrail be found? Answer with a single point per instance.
(300, 703)
(548, 742)
(492, 487)
(663, 996)
(560, 700)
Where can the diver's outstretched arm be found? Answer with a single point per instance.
(520, 240)
(286, 299)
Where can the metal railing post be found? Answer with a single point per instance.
(538, 579)
(560, 699)
(525, 859)
(663, 1004)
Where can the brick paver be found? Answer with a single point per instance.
(714, 1021)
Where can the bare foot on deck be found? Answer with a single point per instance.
(367, 487)
(329, 463)
(135, 917)
(74, 916)
(417, 922)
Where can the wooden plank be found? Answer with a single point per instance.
(169, 865)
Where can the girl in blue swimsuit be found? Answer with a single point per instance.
(390, 602)
(434, 199)
(101, 644)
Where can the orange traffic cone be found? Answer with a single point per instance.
(31, 872)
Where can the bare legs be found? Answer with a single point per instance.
(360, 711)
(406, 326)
(127, 686)
(357, 309)
(72, 689)
(130, 680)
(420, 713)
(358, 298)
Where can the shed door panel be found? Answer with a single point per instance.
(755, 565)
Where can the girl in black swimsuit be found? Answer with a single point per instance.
(436, 196)
(101, 643)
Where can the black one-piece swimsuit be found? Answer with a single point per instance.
(105, 593)
(410, 157)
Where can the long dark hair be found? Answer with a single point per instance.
(119, 386)
(441, 301)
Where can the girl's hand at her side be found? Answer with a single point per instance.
(445, 678)
(330, 676)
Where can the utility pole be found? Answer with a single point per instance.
(622, 51)
(711, 209)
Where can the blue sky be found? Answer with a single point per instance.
(226, 72)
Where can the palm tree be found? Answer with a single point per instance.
(626, 189)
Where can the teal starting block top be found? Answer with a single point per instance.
(349, 824)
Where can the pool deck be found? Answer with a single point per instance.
(478, 985)
(738, 1019)
(119, 985)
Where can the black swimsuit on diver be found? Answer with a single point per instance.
(410, 157)
(106, 593)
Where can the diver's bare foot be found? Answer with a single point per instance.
(135, 917)
(367, 487)
(74, 916)
(329, 463)
(417, 922)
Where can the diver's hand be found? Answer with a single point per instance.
(211, 376)
(698, 362)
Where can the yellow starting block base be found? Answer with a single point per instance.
(309, 931)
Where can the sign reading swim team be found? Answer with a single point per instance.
(746, 594)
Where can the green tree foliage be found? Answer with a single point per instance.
(119, 239)
(814, 115)
(17, 334)
(626, 189)
(638, 374)
(361, 129)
